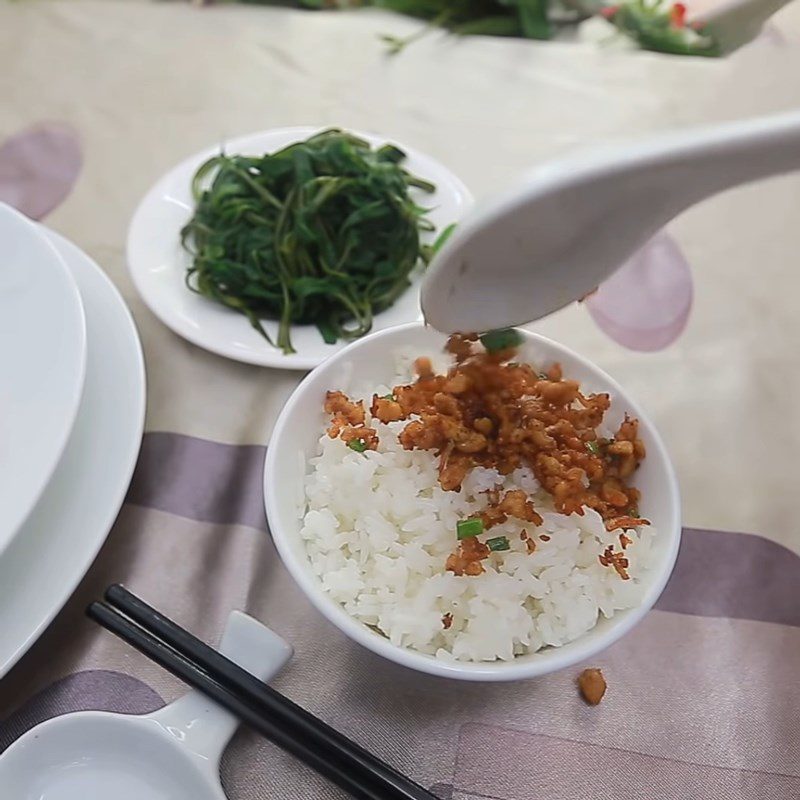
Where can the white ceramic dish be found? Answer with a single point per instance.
(173, 752)
(370, 359)
(42, 364)
(158, 263)
(57, 544)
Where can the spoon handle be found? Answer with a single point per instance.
(679, 168)
(649, 183)
(705, 162)
(204, 726)
(575, 220)
(737, 22)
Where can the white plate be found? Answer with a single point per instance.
(63, 534)
(158, 263)
(42, 365)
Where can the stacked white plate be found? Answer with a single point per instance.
(71, 418)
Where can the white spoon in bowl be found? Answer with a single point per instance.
(556, 237)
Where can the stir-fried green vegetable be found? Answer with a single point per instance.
(527, 18)
(323, 232)
(653, 24)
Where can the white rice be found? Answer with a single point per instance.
(378, 529)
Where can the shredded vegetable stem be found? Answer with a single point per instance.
(324, 232)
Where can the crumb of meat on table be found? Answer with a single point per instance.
(592, 685)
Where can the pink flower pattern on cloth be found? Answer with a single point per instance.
(39, 167)
(645, 305)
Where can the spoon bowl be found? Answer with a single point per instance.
(173, 752)
(96, 754)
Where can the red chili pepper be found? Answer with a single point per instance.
(677, 15)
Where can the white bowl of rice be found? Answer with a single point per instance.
(379, 543)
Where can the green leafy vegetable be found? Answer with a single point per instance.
(653, 24)
(490, 26)
(501, 339)
(533, 18)
(323, 232)
(359, 445)
(441, 240)
(465, 528)
(498, 543)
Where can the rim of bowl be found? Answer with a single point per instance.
(528, 666)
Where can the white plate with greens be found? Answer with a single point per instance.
(286, 237)
(42, 364)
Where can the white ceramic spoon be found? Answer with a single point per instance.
(171, 753)
(557, 236)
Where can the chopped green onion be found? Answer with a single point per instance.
(388, 397)
(498, 543)
(633, 511)
(465, 528)
(359, 445)
(593, 448)
(501, 339)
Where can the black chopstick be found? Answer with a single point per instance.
(192, 674)
(276, 717)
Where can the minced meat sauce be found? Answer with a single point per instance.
(490, 411)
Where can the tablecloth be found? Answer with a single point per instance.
(704, 695)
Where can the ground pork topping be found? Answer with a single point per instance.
(493, 412)
(348, 422)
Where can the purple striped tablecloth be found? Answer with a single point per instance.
(704, 695)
